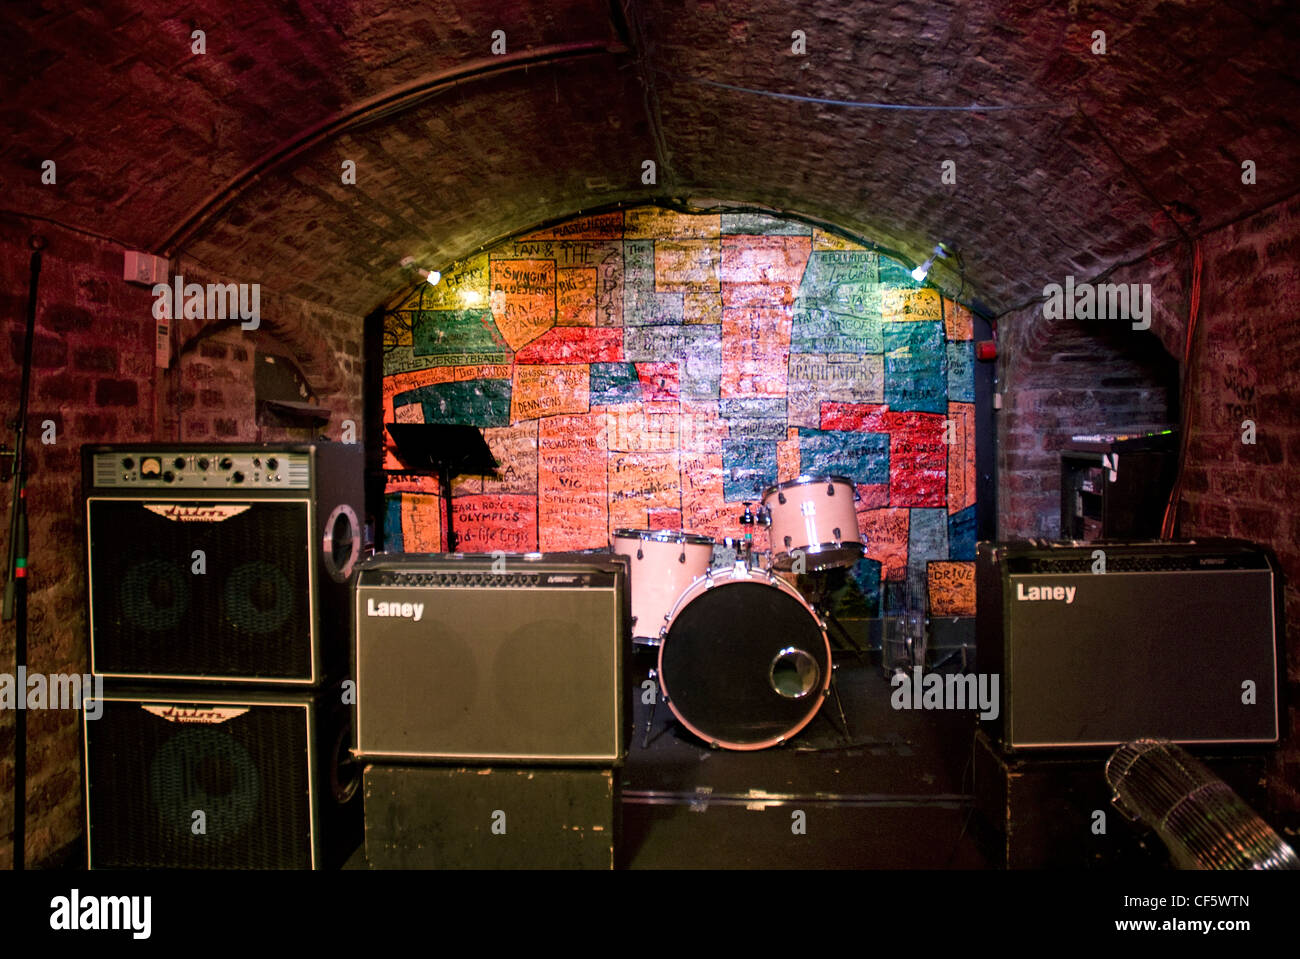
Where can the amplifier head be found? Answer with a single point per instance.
(221, 562)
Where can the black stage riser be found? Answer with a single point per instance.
(479, 817)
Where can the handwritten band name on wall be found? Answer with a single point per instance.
(653, 369)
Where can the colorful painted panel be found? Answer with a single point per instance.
(654, 369)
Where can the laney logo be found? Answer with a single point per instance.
(1108, 301)
(212, 301)
(405, 610)
(1046, 592)
(102, 912)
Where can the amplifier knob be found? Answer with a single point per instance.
(168, 476)
(272, 463)
(226, 462)
(238, 476)
(128, 463)
(179, 462)
(203, 462)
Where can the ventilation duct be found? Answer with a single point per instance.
(1198, 816)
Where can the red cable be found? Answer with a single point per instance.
(1194, 309)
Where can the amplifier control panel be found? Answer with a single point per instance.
(208, 469)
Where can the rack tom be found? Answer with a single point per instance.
(817, 515)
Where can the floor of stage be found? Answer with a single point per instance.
(894, 793)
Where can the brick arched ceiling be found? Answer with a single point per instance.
(1075, 161)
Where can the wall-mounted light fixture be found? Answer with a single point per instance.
(433, 276)
(919, 274)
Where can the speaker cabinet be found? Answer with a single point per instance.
(512, 817)
(463, 657)
(1039, 811)
(199, 779)
(1101, 644)
(221, 562)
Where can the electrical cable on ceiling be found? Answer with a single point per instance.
(860, 104)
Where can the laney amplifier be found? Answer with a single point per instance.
(1104, 643)
(201, 778)
(221, 562)
(475, 658)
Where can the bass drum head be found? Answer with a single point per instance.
(745, 664)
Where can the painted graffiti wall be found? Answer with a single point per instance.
(652, 369)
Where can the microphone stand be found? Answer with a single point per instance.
(15, 595)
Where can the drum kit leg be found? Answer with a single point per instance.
(744, 659)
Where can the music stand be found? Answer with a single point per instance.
(444, 450)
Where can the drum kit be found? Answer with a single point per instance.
(744, 658)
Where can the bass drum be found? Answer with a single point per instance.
(745, 663)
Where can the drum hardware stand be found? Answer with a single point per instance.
(747, 543)
(839, 704)
(814, 586)
(645, 741)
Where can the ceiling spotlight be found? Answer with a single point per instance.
(921, 271)
(433, 276)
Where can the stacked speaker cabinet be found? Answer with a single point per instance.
(218, 613)
(492, 709)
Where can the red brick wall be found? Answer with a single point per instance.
(1247, 366)
(1061, 378)
(94, 377)
(1057, 378)
(211, 388)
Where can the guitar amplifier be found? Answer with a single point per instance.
(206, 778)
(510, 659)
(1100, 644)
(221, 562)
